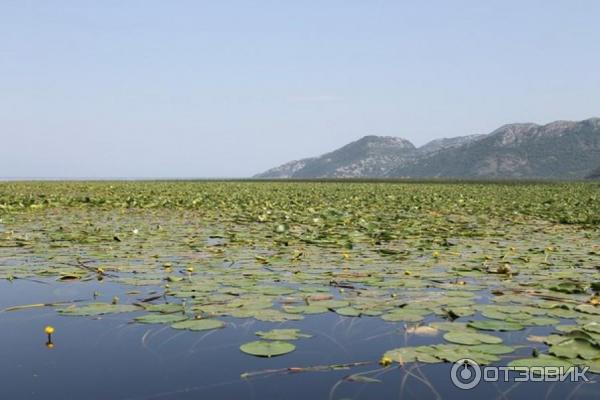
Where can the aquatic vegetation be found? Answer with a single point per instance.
(262, 348)
(49, 330)
(198, 324)
(94, 309)
(542, 361)
(464, 264)
(282, 334)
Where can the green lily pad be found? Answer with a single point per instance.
(455, 352)
(94, 309)
(271, 315)
(282, 334)
(575, 347)
(412, 354)
(472, 338)
(495, 325)
(594, 365)
(165, 308)
(308, 309)
(535, 364)
(563, 313)
(588, 309)
(198, 324)
(348, 312)
(449, 326)
(408, 315)
(329, 303)
(261, 348)
(160, 318)
(541, 321)
(593, 327)
(493, 348)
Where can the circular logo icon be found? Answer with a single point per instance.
(465, 374)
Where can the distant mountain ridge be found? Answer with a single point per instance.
(560, 150)
(446, 143)
(370, 156)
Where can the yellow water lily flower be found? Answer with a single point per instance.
(49, 330)
(385, 361)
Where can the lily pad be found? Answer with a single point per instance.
(198, 324)
(165, 308)
(536, 364)
(94, 309)
(408, 315)
(541, 321)
(449, 326)
(573, 348)
(455, 352)
(159, 318)
(412, 354)
(495, 325)
(261, 348)
(307, 309)
(471, 338)
(593, 327)
(282, 334)
(493, 348)
(348, 312)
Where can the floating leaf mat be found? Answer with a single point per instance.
(466, 264)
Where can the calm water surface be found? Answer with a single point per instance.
(111, 358)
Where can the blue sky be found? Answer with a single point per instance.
(230, 88)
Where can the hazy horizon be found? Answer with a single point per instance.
(182, 89)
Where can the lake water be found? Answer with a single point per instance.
(112, 358)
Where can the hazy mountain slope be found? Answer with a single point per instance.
(562, 149)
(370, 156)
(446, 143)
(286, 170)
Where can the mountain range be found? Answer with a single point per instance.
(558, 150)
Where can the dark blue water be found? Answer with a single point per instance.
(111, 358)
